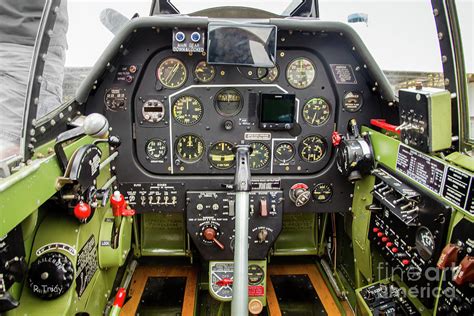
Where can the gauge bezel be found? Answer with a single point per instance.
(355, 109)
(237, 110)
(268, 159)
(327, 199)
(307, 104)
(180, 157)
(196, 76)
(156, 139)
(325, 148)
(308, 83)
(162, 62)
(187, 96)
(263, 80)
(276, 151)
(209, 155)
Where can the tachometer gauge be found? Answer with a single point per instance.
(322, 192)
(256, 274)
(260, 155)
(172, 73)
(156, 149)
(187, 110)
(189, 148)
(425, 243)
(316, 111)
(300, 73)
(284, 152)
(312, 148)
(221, 155)
(268, 75)
(353, 101)
(204, 72)
(228, 102)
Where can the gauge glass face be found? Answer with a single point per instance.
(204, 72)
(312, 148)
(300, 73)
(222, 272)
(115, 99)
(425, 243)
(284, 152)
(228, 102)
(156, 149)
(353, 101)
(172, 73)
(187, 110)
(316, 111)
(221, 155)
(189, 148)
(268, 75)
(322, 192)
(256, 274)
(260, 155)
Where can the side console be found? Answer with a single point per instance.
(408, 228)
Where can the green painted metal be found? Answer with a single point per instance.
(114, 257)
(298, 236)
(163, 234)
(462, 160)
(439, 111)
(28, 188)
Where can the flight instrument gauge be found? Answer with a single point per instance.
(221, 278)
(260, 155)
(187, 110)
(268, 75)
(228, 102)
(316, 111)
(204, 72)
(221, 155)
(322, 192)
(156, 149)
(256, 274)
(312, 148)
(300, 73)
(284, 152)
(353, 101)
(172, 73)
(425, 243)
(189, 148)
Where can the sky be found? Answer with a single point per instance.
(400, 34)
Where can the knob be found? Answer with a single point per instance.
(50, 275)
(389, 244)
(210, 234)
(375, 229)
(299, 194)
(448, 256)
(15, 269)
(82, 211)
(262, 235)
(465, 273)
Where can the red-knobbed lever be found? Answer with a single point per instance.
(448, 256)
(465, 274)
(82, 211)
(119, 205)
(336, 138)
(225, 282)
(384, 125)
(210, 234)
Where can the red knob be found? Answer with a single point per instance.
(210, 235)
(379, 234)
(376, 229)
(384, 239)
(394, 249)
(405, 262)
(336, 139)
(389, 244)
(82, 211)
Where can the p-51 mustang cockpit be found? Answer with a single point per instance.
(234, 161)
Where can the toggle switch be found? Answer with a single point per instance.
(263, 207)
(448, 256)
(465, 273)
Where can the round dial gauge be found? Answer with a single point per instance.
(425, 243)
(187, 110)
(322, 192)
(316, 111)
(172, 73)
(153, 111)
(115, 99)
(268, 75)
(284, 152)
(204, 72)
(300, 73)
(256, 274)
(156, 149)
(221, 155)
(228, 102)
(312, 148)
(260, 155)
(189, 148)
(353, 101)
(221, 279)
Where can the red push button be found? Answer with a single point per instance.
(394, 249)
(405, 262)
(384, 239)
(380, 234)
(389, 244)
(376, 229)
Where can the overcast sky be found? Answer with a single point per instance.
(401, 34)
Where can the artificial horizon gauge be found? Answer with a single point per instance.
(204, 72)
(189, 148)
(221, 155)
(187, 110)
(353, 101)
(312, 148)
(172, 73)
(284, 152)
(268, 75)
(322, 192)
(425, 243)
(316, 111)
(260, 155)
(228, 102)
(153, 111)
(156, 148)
(300, 73)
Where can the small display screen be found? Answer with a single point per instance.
(277, 108)
(241, 44)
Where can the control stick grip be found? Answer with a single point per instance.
(242, 181)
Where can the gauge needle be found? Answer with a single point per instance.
(314, 117)
(172, 72)
(187, 104)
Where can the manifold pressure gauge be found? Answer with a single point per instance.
(172, 73)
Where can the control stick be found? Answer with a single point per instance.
(242, 187)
